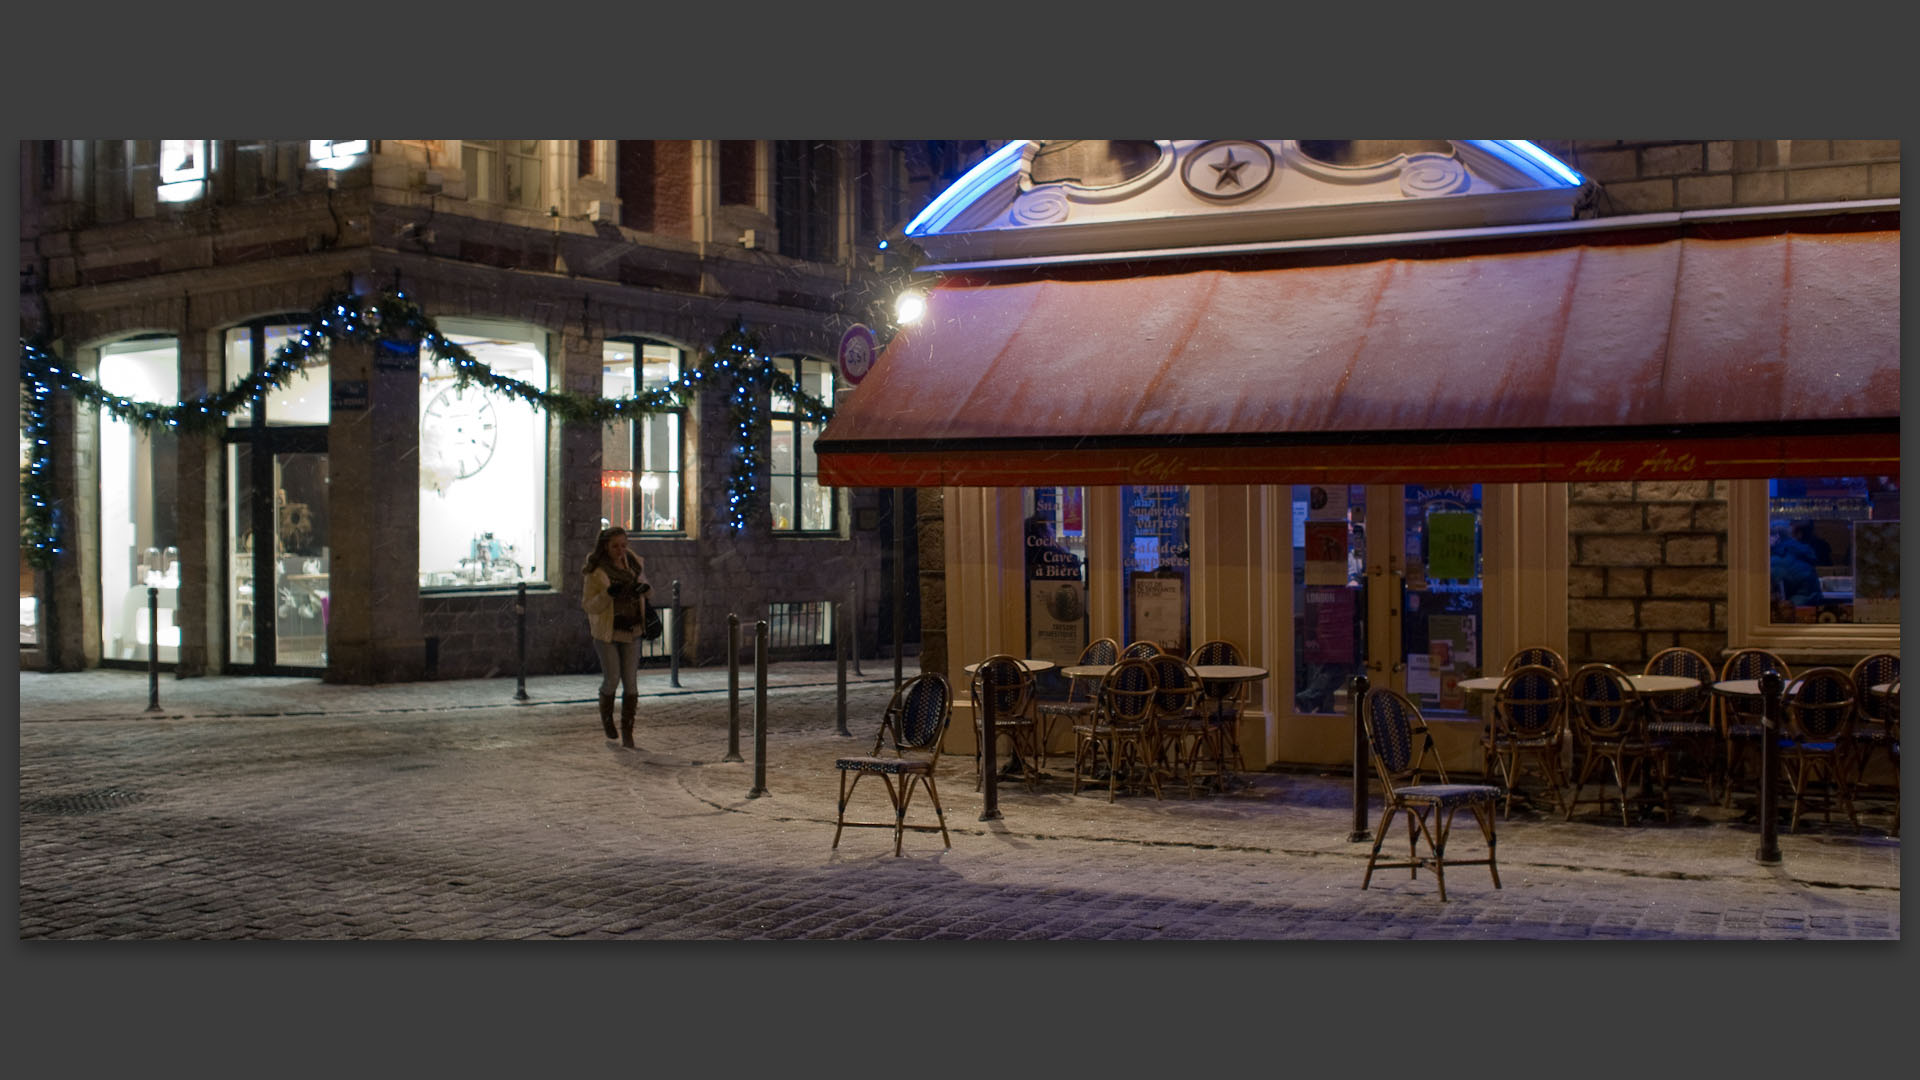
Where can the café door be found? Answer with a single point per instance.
(1388, 580)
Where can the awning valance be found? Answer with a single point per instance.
(1678, 358)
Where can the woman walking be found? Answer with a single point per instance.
(613, 595)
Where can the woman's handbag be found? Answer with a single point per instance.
(652, 627)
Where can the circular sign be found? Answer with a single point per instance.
(857, 348)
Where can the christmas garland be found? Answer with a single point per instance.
(395, 323)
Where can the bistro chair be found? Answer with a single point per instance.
(1685, 717)
(1870, 728)
(1121, 736)
(1181, 731)
(1893, 748)
(1819, 747)
(912, 728)
(1010, 685)
(1740, 718)
(1537, 656)
(1529, 728)
(1140, 650)
(1057, 716)
(1393, 726)
(1609, 722)
(1223, 701)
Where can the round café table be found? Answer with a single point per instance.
(1230, 675)
(1015, 766)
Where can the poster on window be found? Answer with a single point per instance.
(1876, 571)
(1327, 502)
(1056, 618)
(1326, 552)
(1450, 546)
(1159, 610)
(1329, 625)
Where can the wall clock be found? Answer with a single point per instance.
(460, 429)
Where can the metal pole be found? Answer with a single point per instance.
(153, 649)
(1358, 690)
(899, 581)
(673, 638)
(853, 636)
(759, 710)
(840, 677)
(1771, 685)
(733, 688)
(989, 764)
(520, 610)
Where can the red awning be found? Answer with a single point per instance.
(1680, 357)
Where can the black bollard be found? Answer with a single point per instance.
(840, 678)
(520, 613)
(153, 649)
(1358, 690)
(1771, 685)
(989, 765)
(759, 710)
(853, 635)
(733, 688)
(673, 638)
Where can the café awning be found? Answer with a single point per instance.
(1675, 353)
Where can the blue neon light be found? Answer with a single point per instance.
(1526, 155)
(942, 210)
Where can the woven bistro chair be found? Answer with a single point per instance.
(1685, 717)
(1121, 733)
(1609, 721)
(1140, 650)
(1529, 728)
(1537, 656)
(1222, 702)
(1740, 719)
(1819, 747)
(1893, 748)
(1058, 716)
(912, 729)
(1394, 726)
(1181, 731)
(1010, 684)
(1870, 729)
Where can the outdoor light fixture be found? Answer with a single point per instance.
(910, 306)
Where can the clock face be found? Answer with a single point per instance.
(460, 429)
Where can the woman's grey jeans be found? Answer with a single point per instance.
(619, 665)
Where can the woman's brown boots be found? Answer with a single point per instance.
(606, 715)
(629, 704)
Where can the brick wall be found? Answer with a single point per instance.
(1646, 569)
(1645, 176)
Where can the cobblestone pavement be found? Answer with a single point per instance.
(287, 808)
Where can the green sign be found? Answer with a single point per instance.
(1450, 546)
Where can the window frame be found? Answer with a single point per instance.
(636, 435)
(1749, 585)
(782, 409)
(487, 182)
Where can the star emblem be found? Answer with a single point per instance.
(1229, 172)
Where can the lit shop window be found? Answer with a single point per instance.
(139, 547)
(641, 478)
(798, 501)
(1056, 573)
(183, 169)
(335, 153)
(1157, 565)
(1833, 549)
(307, 396)
(483, 463)
(504, 171)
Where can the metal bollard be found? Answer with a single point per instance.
(840, 678)
(1358, 689)
(733, 688)
(1771, 686)
(673, 638)
(759, 710)
(989, 763)
(853, 634)
(520, 611)
(153, 649)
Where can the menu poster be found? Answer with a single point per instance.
(1421, 678)
(1056, 618)
(1329, 625)
(1159, 611)
(1876, 571)
(1327, 502)
(1451, 696)
(1326, 552)
(1447, 635)
(1450, 545)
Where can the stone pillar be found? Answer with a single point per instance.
(374, 629)
(932, 525)
(575, 450)
(201, 613)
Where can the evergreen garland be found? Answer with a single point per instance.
(392, 321)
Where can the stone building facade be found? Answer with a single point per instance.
(573, 244)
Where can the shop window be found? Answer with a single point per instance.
(1156, 565)
(800, 503)
(307, 396)
(1813, 563)
(483, 464)
(1056, 561)
(1329, 593)
(642, 478)
(506, 171)
(139, 546)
